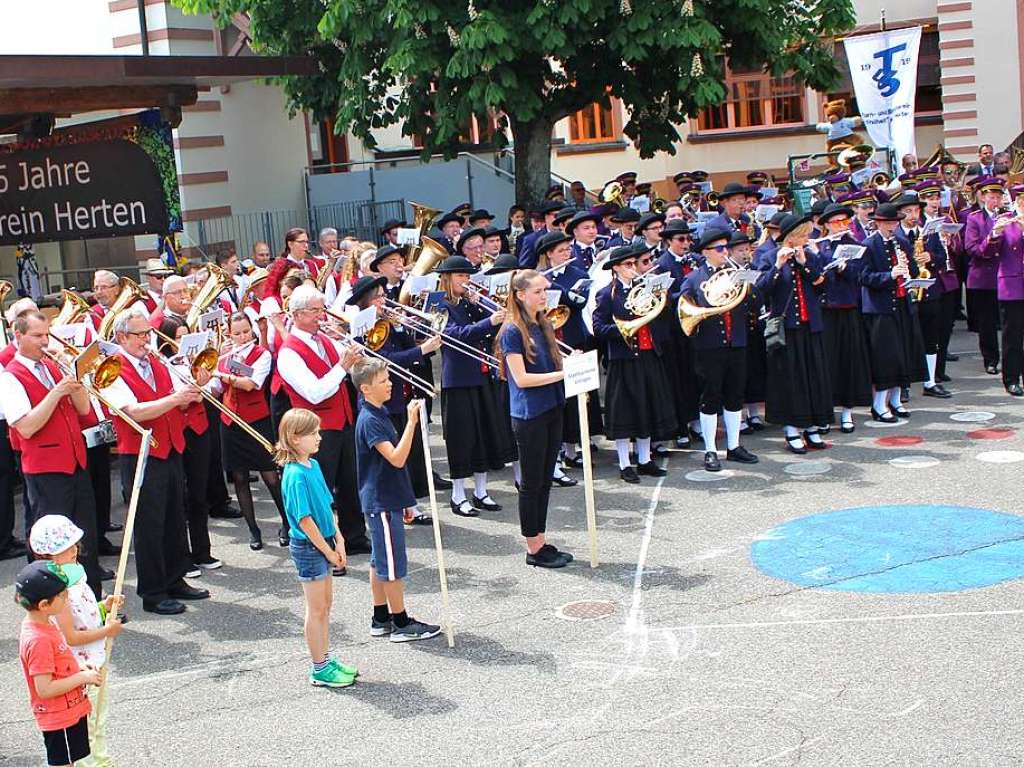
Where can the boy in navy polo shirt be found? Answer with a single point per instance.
(385, 491)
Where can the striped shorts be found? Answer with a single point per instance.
(387, 539)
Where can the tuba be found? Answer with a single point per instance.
(613, 193)
(722, 293)
(422, 218)
(130, 293)
(72, 309)
(645, 304)
(431, 253)
(215, 284)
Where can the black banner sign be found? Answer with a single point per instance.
(108, 188)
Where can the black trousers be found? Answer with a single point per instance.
(69, 495)
(983, 305)
(723, 374)
(217, 496)
(161, 542)
(949, 305)
(337, 459)
(1013, 341)
(929, 315)
(416, 463)
(7, 474)
(279, 405)
(98, 465)
(197, 463)
(538, 440)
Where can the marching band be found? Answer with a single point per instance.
(697, 317)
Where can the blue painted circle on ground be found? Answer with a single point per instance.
(895, 549)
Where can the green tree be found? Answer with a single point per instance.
(431, 64)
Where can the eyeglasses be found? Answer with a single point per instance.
(682, 238)
(718, 248)
(139, 333)
(302, 242)
(643, 261)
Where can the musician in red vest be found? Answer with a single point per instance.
(177, 301)
(105, 288)
(43, 406)
(145, 391)
(155, 272)
(296, 250)
(313, 378)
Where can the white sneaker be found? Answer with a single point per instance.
(211, 564)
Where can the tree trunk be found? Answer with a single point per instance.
(533, 159)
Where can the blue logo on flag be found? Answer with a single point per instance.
(885, 78)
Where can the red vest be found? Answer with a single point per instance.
(96, 314)
(58, 446)
(168, 429)
(7, 353)
(156, 318)
(251, 406)
(149, 302)
(336, 411)
(276, 382)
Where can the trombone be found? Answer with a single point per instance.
(433, 323)
(375, 339)
(103, 373)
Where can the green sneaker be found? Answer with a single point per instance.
(330, 676)
(345, 668)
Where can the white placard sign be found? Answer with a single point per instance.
(408, 236)
(658, 281)
(361, 322)
(883, 68)
(73, 334)
(211, 319)
(554, 297)
(581, 373)
(931, 227)
(849, 252)
(426, 283)
(193, 343)
(500, 284)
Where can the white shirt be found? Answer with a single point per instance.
(338, 305)
(295, 373)
(260, 367)
(12, 393)
(119, 394)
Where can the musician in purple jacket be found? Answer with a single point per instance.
(1009, 233)
(983, 252)
(943, 249)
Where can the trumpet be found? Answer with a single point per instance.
(430, 324)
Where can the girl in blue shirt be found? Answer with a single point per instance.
(532, 364)
(315, 543)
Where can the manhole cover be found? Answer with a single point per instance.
(1001, 456)
(972, 416)
(587, 610)
(709, 476)
(914, 461)
(808, 468)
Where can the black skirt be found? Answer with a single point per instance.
(473, 429)
(848, 360)
(639, 402)
(240, 452)
(499, 391)
(799, 389)
(677, 358)
(896, 348)
(756, 389)
(571, 418)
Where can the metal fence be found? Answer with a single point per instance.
(51, 281)
(362, 219)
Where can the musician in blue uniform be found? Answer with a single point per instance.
(894, 336)
(449, 226)
(474, 426)
(649, 229)
(799, 388)
(582, 228)
(525, 245)
(638, 401)
(732, 200)
(845, 343)
(720, 354)
(627, 219)
(755, 391)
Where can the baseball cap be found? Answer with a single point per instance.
(39, 580)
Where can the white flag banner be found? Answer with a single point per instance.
(883, 68)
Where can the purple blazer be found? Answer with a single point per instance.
(1011, 264)
(858, 232)
(982, 252)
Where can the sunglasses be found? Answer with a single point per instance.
(718, 248)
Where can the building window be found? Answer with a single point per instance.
(592, 124)
(755, 100)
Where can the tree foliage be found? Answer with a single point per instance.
(431, 64)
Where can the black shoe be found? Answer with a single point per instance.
(574, 463)
(695, 436)
(904, 394)
(741, 455)
(464, 509)
(184, 591)
(746, 430)
(651, 469)
(549, 547)
(339, 572)
(992, 369)
(106, 548)
(901, 412)
(847, 427)
(660, 451)
(115, 527)
(255, 540)
(682, 443)
(796, 445)
(253, 478)
(440, 483)
(564, 481)
(886, 417)
(814, 444)
(711, 462)
(756, 423)
(225, 512)
(943, 378)
(952, 357)
(1015, 390)
(357, 546)
(13, 550)
(106, 575)
(283, 537)
(629, 475)
(546, 558)
(166, 607)
(938, 391)
(486, 503)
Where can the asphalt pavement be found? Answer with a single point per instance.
(724, 636)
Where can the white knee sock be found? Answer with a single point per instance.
(569, 450)
(643, 450)
(847, 416)
(931, 359)
(517, 472)
(480, 484)
(708, 427)
(622, 450)
(556, 474)
(732, 428)
(791, 431)
(894, 397)
(879, 402)
(458, 491)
